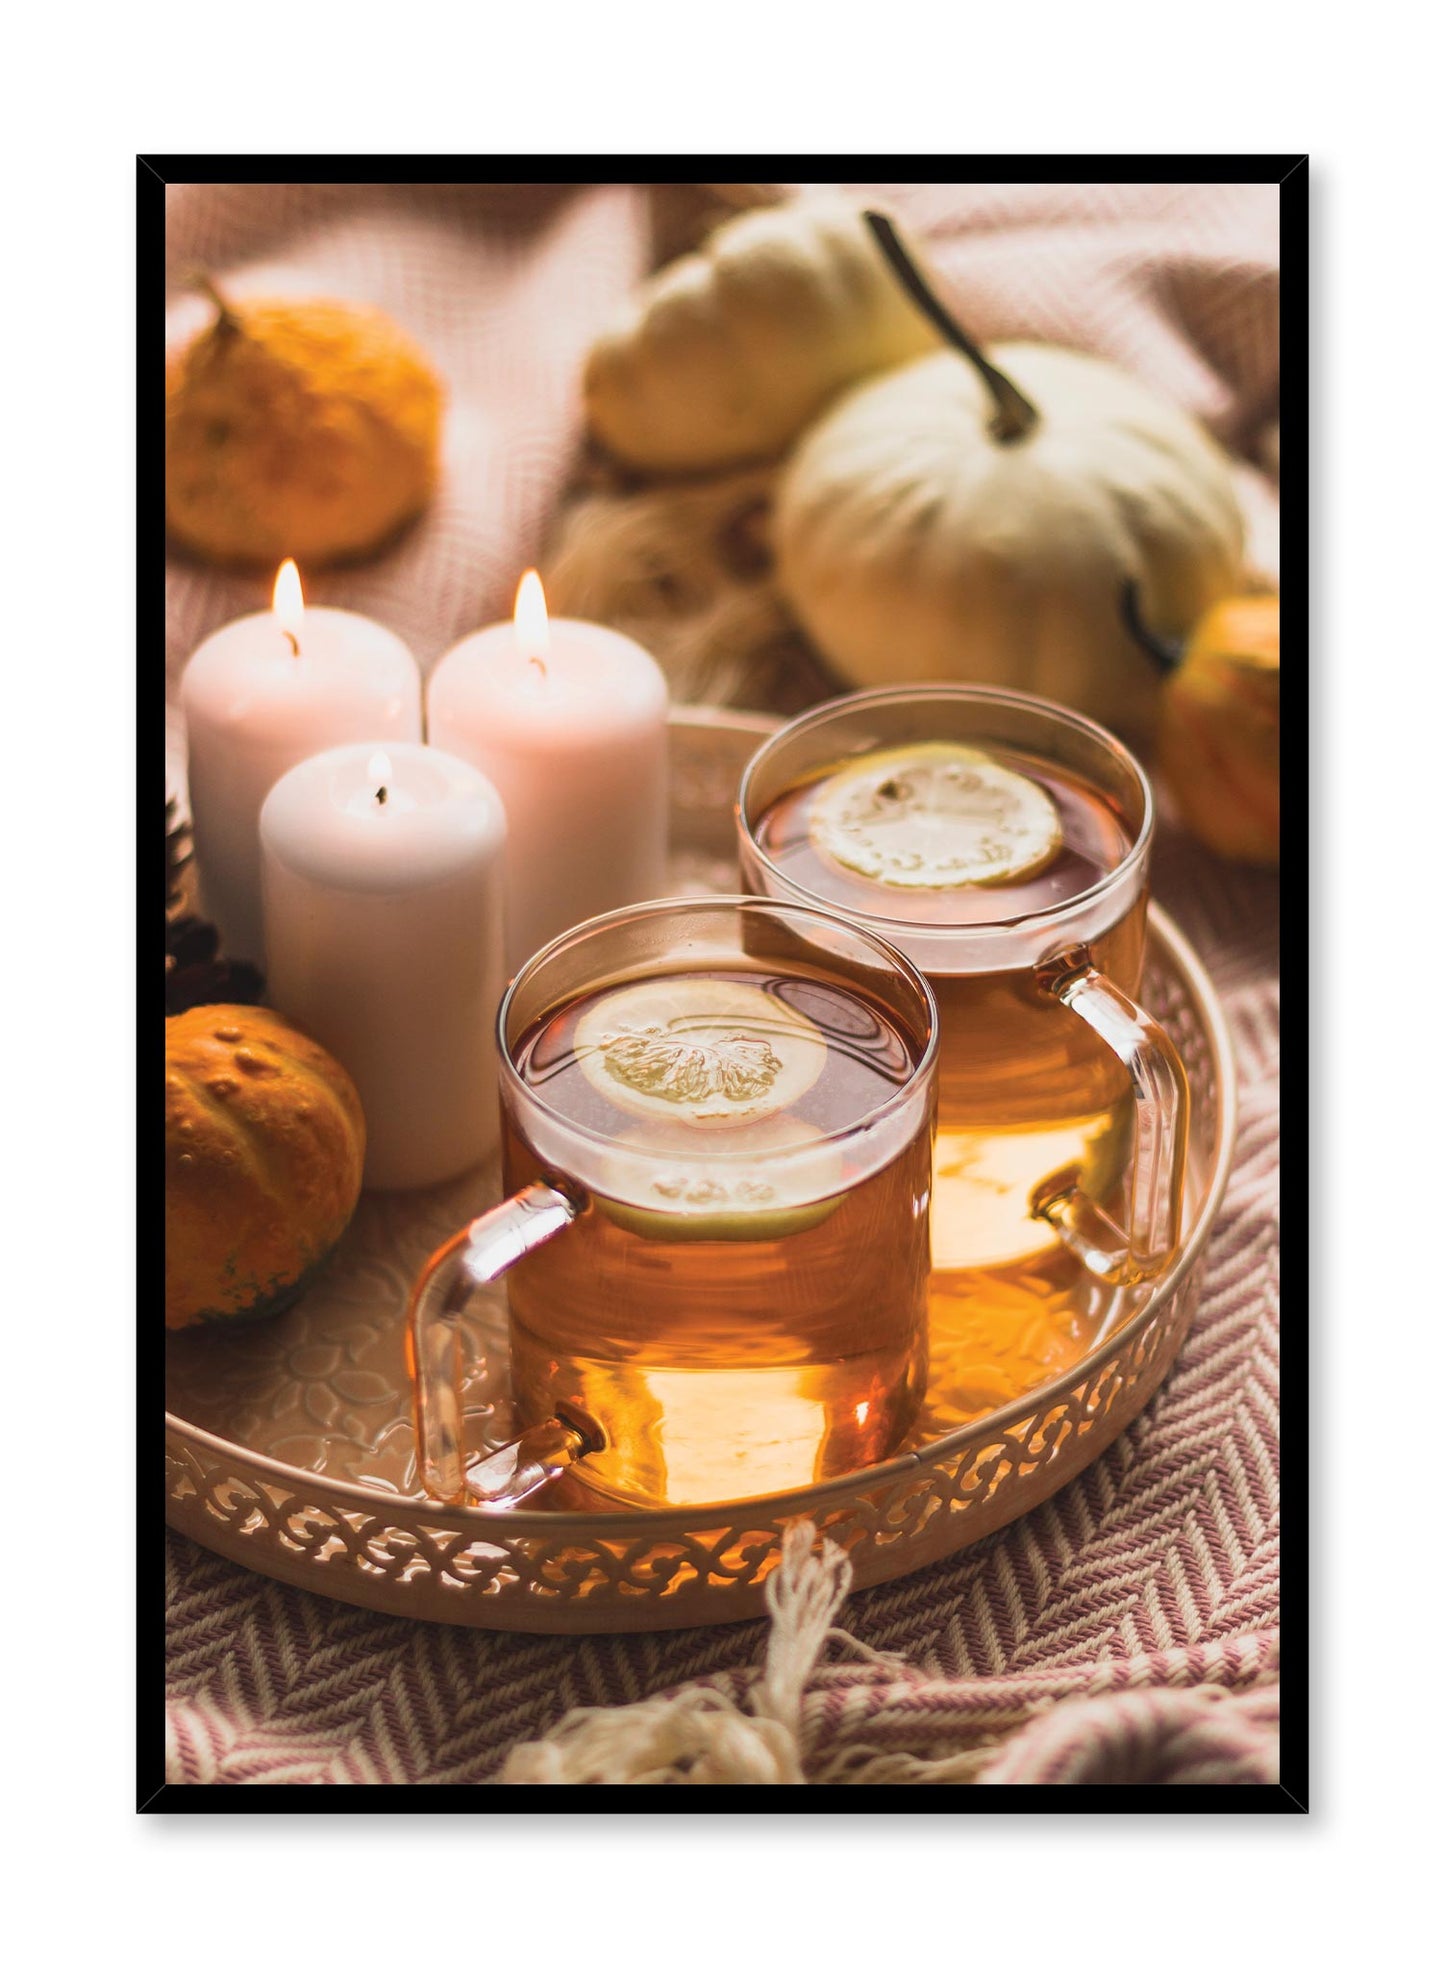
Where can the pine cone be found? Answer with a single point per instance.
(178, 855)
(196, 973)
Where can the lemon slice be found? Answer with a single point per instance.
(935, 816)
(739, 1197)
(705, 1051)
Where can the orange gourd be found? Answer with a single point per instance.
(264, 1146)
(302, 428)
(1218, 736)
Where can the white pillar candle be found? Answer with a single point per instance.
(261, 694)
(382, 881)
(569, 722)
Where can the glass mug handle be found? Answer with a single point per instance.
(479, 1255)
(1133, 1253)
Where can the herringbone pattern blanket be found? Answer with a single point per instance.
(1126, 1630)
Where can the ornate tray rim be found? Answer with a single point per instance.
(632, 1524)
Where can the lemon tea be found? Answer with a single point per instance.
(723, 1109)
(744, 1297)
(1001, 844)
(1023, 1091)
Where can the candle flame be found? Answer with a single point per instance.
(287, 602)
(379, 767)
(530, 615)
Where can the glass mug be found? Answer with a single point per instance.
(717, 1130)
(1054, 1084)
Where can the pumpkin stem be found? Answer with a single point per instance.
(1167, 655)
(1013, 415)
(226, 316)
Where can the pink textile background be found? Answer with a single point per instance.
(1126, 1630)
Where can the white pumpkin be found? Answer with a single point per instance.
(916, 544)
(725, 355)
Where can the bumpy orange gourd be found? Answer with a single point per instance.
(1218, 735)
(302, 428)
(264, 1146)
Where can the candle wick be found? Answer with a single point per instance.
(381, 796)
(541, 667)
(291, 639)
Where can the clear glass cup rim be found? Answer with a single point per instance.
(961, 693)
(894, 960)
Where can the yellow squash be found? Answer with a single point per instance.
(724, 356)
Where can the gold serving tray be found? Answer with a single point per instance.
(289, 1444)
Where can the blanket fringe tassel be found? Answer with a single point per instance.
(700, 1735)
